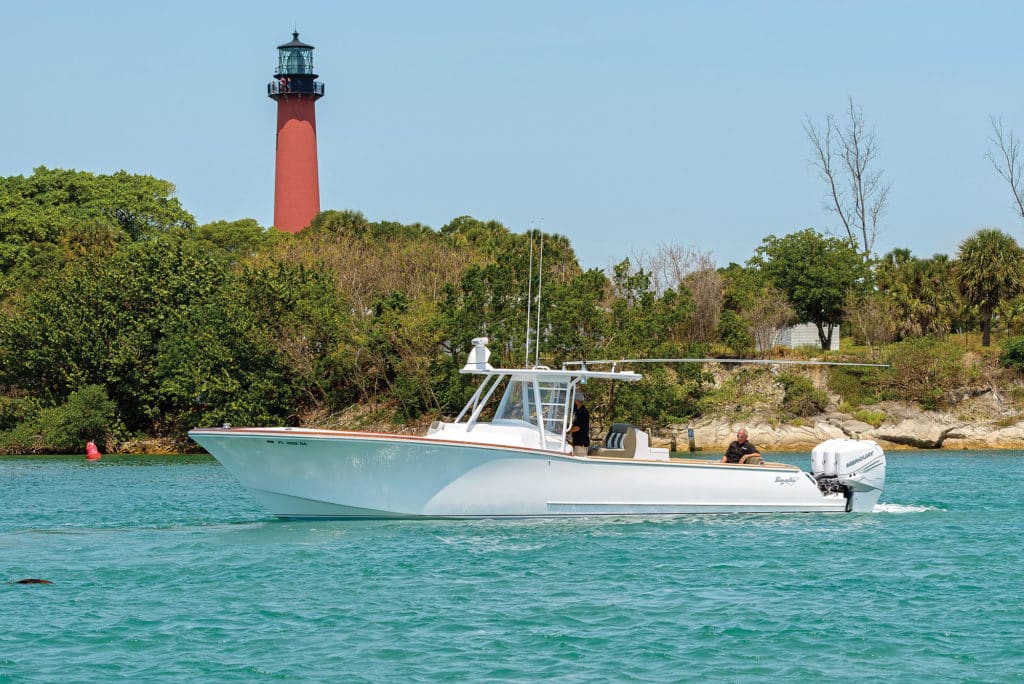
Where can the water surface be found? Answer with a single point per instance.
(164, 568)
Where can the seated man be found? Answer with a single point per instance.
(741, 451)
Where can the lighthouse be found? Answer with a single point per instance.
(296, 179)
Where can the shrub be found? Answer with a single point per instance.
(872, 418)
(855, 384)
(660, 397)
(738, 395)
(1011, 354)
(15, 410)
(88, 414)
(801, 397)
(735, 332)
(22, 439)
(926, 370)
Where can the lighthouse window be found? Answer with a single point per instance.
(296, 62)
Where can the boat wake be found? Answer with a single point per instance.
(900, 508)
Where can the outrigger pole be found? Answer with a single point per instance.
(762, 362)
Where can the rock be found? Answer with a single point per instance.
(920, 434)
(985, 436)
(984, 421)
(906, 428)
(854, 429)
(715, 435)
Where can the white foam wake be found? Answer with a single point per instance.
(900, 508)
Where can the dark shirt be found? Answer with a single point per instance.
(736, 451)
(581, 418)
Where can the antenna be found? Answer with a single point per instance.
(529, 301)
(540, 292)
(761, 362)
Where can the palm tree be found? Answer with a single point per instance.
(989, 269)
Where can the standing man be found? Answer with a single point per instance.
(740, 450)
(579, 433)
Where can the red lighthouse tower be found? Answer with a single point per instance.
(297, 181)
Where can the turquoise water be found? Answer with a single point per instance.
(166, 569)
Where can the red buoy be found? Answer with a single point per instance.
(91, 452)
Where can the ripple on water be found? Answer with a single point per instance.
(170, 571)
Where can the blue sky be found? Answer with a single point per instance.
(621, 125)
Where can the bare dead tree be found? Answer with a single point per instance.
(679, 266)
(667, 266)
(1007, 161)
(768, 314)
(874, 318)
(708, 289)
(672, 263)
(844, 154)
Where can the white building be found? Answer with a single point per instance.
(803, 335)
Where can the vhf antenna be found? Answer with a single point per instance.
(529, 301)
(540, 291)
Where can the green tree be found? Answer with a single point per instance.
(817, 273)
(403, 353)
(55, 208)
(989, 269)
(100, 321)
(734, 331)
(643, 323)
(492, 298)
(268, 345)
(923, 291)
(217, 364)
(239, 239)
(350, 224)
(576, 315)
(489, 236)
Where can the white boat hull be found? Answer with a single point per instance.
(300, 473)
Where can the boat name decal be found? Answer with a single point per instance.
(786, 480)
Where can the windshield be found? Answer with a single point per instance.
(521, 401)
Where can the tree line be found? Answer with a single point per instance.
(121, 317)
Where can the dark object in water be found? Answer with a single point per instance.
(31, 580)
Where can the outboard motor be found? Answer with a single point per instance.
(853, 467)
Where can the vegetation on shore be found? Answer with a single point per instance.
(122, 319)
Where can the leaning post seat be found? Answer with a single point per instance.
(620, 441)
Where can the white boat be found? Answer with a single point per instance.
(518, 464)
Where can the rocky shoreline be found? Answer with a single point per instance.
(986, 421)
(904, 427)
